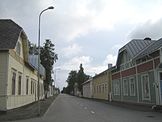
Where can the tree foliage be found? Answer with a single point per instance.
(48, 57)
(81, 78)
(76, 77)
(72, 78)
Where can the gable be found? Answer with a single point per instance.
(9, 33)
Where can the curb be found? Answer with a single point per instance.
(50, 106)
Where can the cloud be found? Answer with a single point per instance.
(73, 19)
(86, 16)
(87, 62)
(92, 70)
(75, 62)
(148, 29)
(72, 50)
(110, 59)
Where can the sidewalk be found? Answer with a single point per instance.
(27, 111)
(132, 106)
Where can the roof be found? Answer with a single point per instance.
(88, 81)
(9, 34)
(33, 60)
(134, 47)
(150, 49)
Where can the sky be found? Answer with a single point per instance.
(86, 31)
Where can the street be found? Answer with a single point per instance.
(73, 109)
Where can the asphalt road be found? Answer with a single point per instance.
(73, 109)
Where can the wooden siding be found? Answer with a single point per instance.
(99, 83)
(128, 72)
(145, 67)
(115, 75)
(157, 62)
(3, 78)
(23, 99)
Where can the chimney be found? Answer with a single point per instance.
(109, 66)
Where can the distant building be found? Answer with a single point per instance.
(138, 74)
(18, 72)
(52, 90)
(87, 88)
(76, 90)
(102, 85)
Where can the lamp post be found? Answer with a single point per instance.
(51, 7)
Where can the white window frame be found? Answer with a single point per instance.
(116, 87)
(13, 92)
(27, 85)
(143, 97)
(130, 88)
(106, 87)
(19, 88)
(125, 93)
(103, 88)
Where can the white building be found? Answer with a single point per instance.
(87, 88)
(18, 72)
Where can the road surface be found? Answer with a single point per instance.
(73, 109)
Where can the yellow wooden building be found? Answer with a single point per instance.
(102, 85)
(18, 72)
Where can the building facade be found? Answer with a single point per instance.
(102, 85)
(137, 77)
(18, 75)
(87, 88)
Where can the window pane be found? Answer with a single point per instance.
(19, 85)
(146, 89)
(132, 87)
(13, 82)
(27, 82)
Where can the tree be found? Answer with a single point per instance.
(81, 77)
(75, 77)
(72, 78)
(63, 90)
(48, 57)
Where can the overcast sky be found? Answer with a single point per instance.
(86, 31)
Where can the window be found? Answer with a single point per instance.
(116, 87)
(145, 87)
(125, 87)
(18, 48)
(105, 87)
(33, 87)
(27, 85)
(132, 86)
(94, 89)
(103, 90)
(19, 84)
(13, 82)
(31, 90)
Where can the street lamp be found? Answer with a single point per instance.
(51, 7)
(54, 74)
(54, 77)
